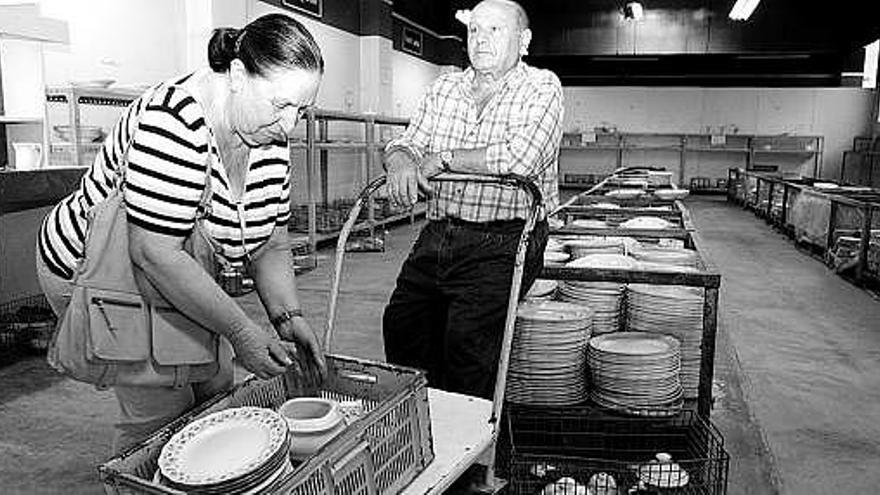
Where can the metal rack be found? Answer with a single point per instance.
(317, 144)
(707, 276)
(74, 97)
(758, 152)
(852, 212)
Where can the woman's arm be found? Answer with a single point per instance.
(184, 283)
(276, 285)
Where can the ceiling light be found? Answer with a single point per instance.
(743, 9)
(633, 10)
(463, 16)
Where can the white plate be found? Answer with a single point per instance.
(552, 311)
(222, 446)
(635, 344)
(604, 260)
(653, 223)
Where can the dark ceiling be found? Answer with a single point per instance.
(685, 42)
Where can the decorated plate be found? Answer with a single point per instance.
(222, 446)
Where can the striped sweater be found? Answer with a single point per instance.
(165, 180)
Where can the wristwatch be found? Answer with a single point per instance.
(446, 159)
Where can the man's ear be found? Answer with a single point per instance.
(237, 75)
(525, 37)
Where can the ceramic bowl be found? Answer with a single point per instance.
(312, 422)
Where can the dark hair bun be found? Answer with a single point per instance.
(222, 48)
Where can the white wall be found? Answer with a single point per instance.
(411, 76)
(838, 114)
(131, 41)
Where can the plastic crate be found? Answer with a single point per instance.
(543, 445)
(26, 322)
(379, 453)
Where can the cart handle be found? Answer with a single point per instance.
(509, 179)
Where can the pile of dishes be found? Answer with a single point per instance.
(652, 223)
(241, 450)
(542, 289)
(624, 193)
(673, 310)
(588, 223)
(87, 133)
(589, 245)
(554, 253)
(668, 256)
(604, 298)
(547, 364)
(635, 373)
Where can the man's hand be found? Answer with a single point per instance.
(405, 177)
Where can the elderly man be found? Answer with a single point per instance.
(446, 314)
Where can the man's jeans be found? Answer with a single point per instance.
(447, 313)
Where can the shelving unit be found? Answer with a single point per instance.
(76, 152)
(782, 153)
(317, 143)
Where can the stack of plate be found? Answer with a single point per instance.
(624, 193)
(603, 298)
(241, 450)
(542, 289)
(671, 310)
(667, 256)
(653, 223)
(613, 206)
(588, 245)
(588, 223)
(547, 359)
(554, 253)
(635, 373)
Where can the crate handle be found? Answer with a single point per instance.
(358, 377)
(359, 450)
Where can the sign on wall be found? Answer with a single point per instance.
(412, 41)
(312, 7)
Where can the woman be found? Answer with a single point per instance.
(235, 115)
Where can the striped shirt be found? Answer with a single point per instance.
(521, 128)
(165, 179)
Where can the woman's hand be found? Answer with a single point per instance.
(260, 352)
(296, 334)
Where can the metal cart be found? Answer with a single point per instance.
(465, 429)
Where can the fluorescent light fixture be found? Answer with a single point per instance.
(743, 9)
(463, 16)
(634, 11)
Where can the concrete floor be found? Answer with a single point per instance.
(797, 370)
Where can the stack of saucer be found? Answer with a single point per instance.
(604, 298)
(547, 359)
(241, 450)
(671, 310)
(635, 373)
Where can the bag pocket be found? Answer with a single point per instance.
(178, 340)
(117, 327)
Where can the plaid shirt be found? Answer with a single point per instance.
(521, 128)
